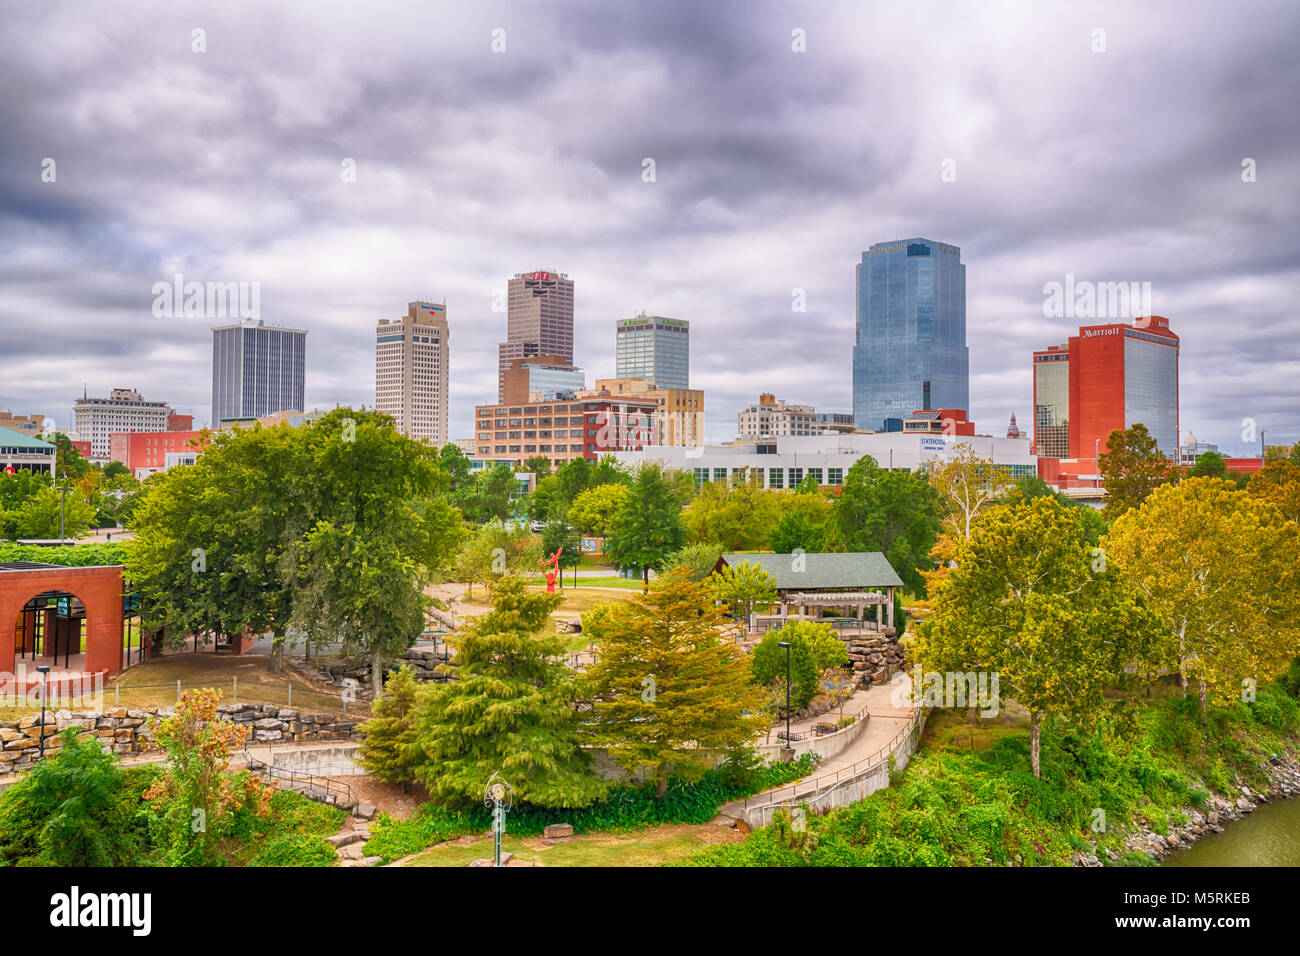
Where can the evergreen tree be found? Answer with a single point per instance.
(390, 750)
(511, 710)
(668, 695)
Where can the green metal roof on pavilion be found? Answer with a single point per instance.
(851, 569)
(12, 439)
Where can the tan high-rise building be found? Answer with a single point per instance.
(679, 412)
(411, 371)
(539, 321)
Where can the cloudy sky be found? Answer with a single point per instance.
(1101, 140)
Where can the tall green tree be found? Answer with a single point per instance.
(390, 749)
(511, 710)
(572, 478)
(668, 696)
(1031, 602)
(211, 539)
(894, 512)
(1131, 467)
(593, 510)
(369, 546)
(648, 528)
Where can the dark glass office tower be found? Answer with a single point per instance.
(911, 350)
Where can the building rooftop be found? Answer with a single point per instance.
(852, 569)
(10, 439)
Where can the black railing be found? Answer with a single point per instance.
(311, 786)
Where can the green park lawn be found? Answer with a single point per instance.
(650, 847)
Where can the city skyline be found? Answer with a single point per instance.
(875, 131)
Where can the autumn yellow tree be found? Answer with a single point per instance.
(196, 797)
(1219, 567)
(1278, 483)
(966, 484)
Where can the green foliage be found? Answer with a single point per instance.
(1131, 467)
(73, 809)
(510, 710)
(648, 528)
(296, 849)
(894, 512)
(594, 508)
(67, 556)
(49, 510)
(736, 517)
(797, 530)
(667, 695)
(560, 536)
(696, 560)
(742, 588)
(768, 664)
(390, 749)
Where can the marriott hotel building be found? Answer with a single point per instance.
(1105, 378)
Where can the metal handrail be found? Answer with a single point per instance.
(860, 766)
(268, 772)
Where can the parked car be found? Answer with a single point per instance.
(538, 525)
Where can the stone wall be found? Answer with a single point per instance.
(125, 731)
(875, 658)
(422, 660)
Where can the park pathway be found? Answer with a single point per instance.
(886, 733)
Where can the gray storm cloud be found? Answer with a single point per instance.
(774, 170)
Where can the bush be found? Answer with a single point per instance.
(296, 850)
(768, 664)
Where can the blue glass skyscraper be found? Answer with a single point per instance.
(910, 351)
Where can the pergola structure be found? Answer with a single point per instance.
(851, 581)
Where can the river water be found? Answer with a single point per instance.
(1270, 836)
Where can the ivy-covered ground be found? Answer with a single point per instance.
(968, 797)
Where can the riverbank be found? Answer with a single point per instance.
(1150, 777)
(1284, 783)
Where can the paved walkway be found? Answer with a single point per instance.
(887, 720)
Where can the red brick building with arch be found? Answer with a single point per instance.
(32, 634)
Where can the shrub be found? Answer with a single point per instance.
(296, 849)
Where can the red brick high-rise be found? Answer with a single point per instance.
(1105, 378)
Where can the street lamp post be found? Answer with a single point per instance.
(44, 671)
(1096, 463)
(786, 645)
